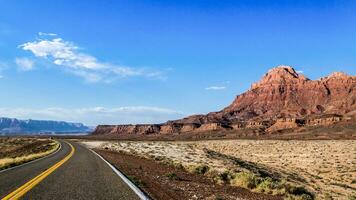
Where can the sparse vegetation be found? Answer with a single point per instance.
(226, 177)
(351, 197)
(298, 192)
(295, 169)
(246, 180)
(269, 186)
(16, 151)
(327, 196)
(219, 198)
(202, 169)
(173, 176)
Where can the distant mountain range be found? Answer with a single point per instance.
(16, 126)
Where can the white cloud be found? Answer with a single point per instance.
(96, 115)
(300, 71)
(24, 64)
(46, 34)
(216, 88)
(87, 75)
(66, 54)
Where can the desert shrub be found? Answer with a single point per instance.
(172, 176)
(269, 186)
(203, 169)
(168, 161)
(246, 180)
(307, 197)
(265, 186)
(299, 197)
(219, 198)
(226, 177)
(352, 197)
(327, 196)
(298, 192)
(173, 163)
(178, 165)
(159, 158)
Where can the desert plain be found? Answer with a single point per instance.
(326, 168)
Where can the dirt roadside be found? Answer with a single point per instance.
(162, 181)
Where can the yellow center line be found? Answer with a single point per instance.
(32, 183)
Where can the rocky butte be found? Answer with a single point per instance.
(282, 99)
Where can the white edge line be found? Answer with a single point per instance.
(137, 190)
(32, 161)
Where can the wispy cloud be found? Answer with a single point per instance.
(68, 55)
(220, 86)
(24, 64)
(46, 34)
(216, 88)
(96, 115)
(300, 71)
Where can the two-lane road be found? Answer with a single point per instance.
(82, 176)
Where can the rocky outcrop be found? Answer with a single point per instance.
(284, 93)
(211, 127)
(186, 128)
(284, 123)
(170, 129)
(238, 125)
(128, 129)
(141, 129)
(282, 99)
(323, 120)
(104, 129)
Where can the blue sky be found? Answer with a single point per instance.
(140, 61)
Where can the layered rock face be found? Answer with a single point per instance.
(284, 93)
(282, 99)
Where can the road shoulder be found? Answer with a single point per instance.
(163, 181)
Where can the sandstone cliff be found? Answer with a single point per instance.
(282, 99)
(284, 93)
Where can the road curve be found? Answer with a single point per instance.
(83, 176)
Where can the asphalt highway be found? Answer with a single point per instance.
(82, 176)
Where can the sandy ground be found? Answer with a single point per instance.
(326, 167)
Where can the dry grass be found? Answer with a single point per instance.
(327, 168)
(16, 151)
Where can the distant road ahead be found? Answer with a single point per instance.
(82, 176)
